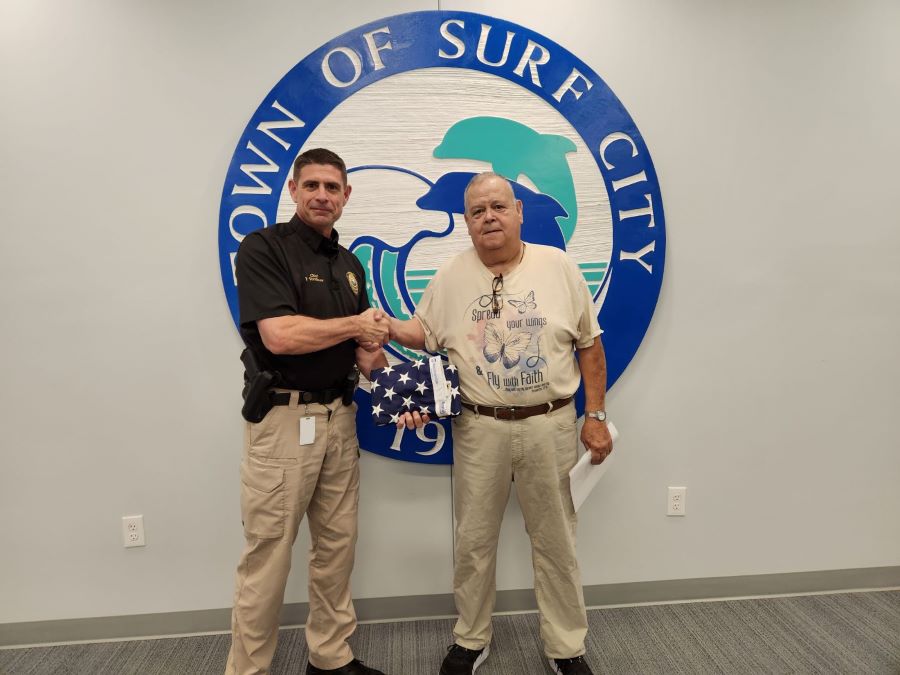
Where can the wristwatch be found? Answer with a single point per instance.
(597, 415)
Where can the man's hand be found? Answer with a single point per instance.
(373, 329)
(369, 360)
(596, 439)
(412, 420)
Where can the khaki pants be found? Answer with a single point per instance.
(538, 452)
(280, 481)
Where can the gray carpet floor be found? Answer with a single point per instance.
(842, 633)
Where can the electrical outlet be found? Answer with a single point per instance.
(133, 531)
(677, 501)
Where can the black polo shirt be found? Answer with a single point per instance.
(289, 269)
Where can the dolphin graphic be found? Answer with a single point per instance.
(514, 149)
(540, 212)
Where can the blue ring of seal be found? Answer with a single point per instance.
(416, 42)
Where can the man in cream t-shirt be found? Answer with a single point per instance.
(511, 316)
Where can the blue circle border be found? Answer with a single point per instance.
(415, 43)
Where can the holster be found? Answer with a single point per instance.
(257, 388)
(350, 386)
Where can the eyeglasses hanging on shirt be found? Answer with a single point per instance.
(496, 296)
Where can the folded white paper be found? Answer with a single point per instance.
(584, 475)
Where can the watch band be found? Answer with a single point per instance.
(597, 415)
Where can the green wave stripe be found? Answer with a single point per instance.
(388, 283)
(417, 284)
(364, 255)
(593, 273)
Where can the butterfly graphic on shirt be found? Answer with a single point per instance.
(503, 346)
(526, 305)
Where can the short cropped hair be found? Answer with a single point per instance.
(319, 156)
(478, 178)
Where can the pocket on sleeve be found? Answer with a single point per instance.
(262, 499)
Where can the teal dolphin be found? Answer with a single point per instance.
(514, 149)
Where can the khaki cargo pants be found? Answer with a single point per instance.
(281, 481)
(538, 452)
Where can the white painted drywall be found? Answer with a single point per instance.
(767, 383)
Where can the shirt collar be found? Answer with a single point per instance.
(326, 245)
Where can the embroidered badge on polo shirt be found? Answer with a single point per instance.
(354, 284)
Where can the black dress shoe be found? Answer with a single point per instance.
(462, 661)
(573, 666)
(355, 667)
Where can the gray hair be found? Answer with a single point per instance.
(478, 178)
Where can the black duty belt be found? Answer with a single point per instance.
(322, 396)
(517, 412)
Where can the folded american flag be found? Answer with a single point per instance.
(428, 386)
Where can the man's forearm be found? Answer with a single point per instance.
(592, 363)
(368, 361)
(408, 333)
(299, 334)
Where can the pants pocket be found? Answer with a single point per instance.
(262, 499)
(565, 417)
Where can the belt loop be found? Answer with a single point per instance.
(295, 399)
(477, 414)
(549, 407)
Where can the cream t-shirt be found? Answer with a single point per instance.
(523, 354)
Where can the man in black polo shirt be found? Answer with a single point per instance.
(304, 314)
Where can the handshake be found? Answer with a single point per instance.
(373, 329)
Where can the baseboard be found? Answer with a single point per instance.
(430, 606)
(754, 585)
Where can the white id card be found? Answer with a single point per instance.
(307, 430)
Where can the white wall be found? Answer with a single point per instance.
(767, 383)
